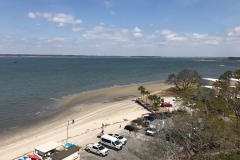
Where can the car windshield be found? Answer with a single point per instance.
(117, 142)
(151, 129)
(101, 147)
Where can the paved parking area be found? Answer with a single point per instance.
(134, 141)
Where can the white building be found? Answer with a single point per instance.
(208, 82)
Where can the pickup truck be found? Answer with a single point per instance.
(97, 148)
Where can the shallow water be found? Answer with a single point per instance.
(32, 88)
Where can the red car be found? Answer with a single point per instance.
(165, 104)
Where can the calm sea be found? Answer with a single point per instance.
(31, 88)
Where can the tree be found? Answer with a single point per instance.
(226, 76)
(150, 97)
(236, 73)
(184, 79)
(147, 93)
(141, 89)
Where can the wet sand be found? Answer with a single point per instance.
(113, 106)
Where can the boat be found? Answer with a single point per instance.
(14, 62)
(221, 65)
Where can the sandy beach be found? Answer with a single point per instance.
(114, 107)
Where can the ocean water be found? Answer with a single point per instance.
(32, 88)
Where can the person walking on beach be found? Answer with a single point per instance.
(102, 125)
(72, 121)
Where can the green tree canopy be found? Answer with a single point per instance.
(184, 79)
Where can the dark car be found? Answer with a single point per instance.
(130, 128)
(167, 114)
(161, 115)
(149, 118)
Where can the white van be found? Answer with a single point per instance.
(111, 142)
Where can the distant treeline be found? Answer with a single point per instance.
(73, 56)
(233, 58)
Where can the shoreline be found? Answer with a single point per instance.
(87, 109)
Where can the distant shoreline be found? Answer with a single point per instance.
(96, 56)
(74, 56)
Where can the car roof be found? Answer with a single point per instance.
(106, 136)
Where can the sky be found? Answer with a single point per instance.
(168, 28)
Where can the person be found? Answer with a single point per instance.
(102, 125)
(120, 126)
(72, 121)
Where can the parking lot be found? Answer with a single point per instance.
(134, 141)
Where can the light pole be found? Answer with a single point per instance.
(67, 131)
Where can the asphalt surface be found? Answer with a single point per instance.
(134, 141)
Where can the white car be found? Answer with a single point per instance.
(120, 138)
(97, 149)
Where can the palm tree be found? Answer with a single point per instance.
(156, 101)
(143, 92)
(147, 93)
(150, 97)
(140, 89)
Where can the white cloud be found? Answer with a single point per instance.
(108, 4)
(137, 34)
(99, 32)
(196, 35)
(175, 37)
(33, 15)
(112, 12)
(96, 29)
(101, 24)
(169, 35)
(124, 30)
(136, 29)
(59, 39)
(166, 32)
(59, 18)
(77, 29)
(47, 15)
(212, 42)
(151, 36)
(234, 32)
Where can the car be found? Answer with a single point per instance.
(161, 115)
(130, 128)
(166, 104)
(188, 104)
(140, 122)
(149, 118)
(97, 148)
(111, 142)
(120, 138)
(177, 98)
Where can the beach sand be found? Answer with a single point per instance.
(113, 107)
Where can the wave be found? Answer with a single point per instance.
(55, 99)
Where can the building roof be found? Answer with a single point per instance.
(208, 86)
(65, 153)
(234, 79)
(210, 79)
(48, 146)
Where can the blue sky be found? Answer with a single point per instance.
(178, 28)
